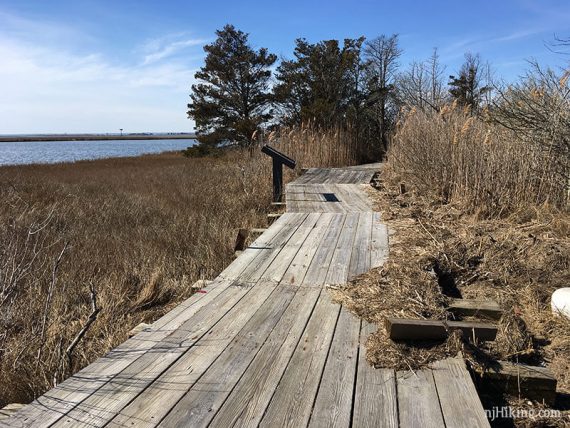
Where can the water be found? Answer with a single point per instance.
(28, 152)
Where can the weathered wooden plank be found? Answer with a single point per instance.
(103, 404)
(415, 329)
(247, 402)
(55, 403)
(375, 401)
(203, 400)
(372, 167)
(298, 268)
(418, 402)
(476, 308)
(338, 267)
(141, 405)
(360, 258)
(319, 266)
(274, 236)
(252, 273)
(10, 409)
(293, 399)
(379, 247)
(138, 329)
(280, 264)
(535, 383)
(333, 405)
(126, 392)
(458, 397)
(306, 197)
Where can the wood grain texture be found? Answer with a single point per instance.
(379, 246)
(339, 263)
(458, 398)
(276, 270)
(418, 402)
(476, 308)
(375, 399)
(418, 329)
(333, 405)
(154, 402)
(320, 263)
(293, 399)
(360, 257)
(207, 394)
(247, 402)
(103, 404)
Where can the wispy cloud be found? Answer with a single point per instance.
(478, 42)
(53, 87)
(516, 35)
(161, 50)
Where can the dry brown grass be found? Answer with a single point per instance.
(140, 231)
(312, 146)
(455, 157)
(482, 217)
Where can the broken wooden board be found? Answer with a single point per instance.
(201, 283)
(10, 409)
(141, 327)
(272, 217)
(241, 239)
(415, 329)
(476, 308)
(532, 382)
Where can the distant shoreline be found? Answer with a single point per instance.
(94, 137)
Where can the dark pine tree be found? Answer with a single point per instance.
(233, 96)
(320, 84)
(467, 88)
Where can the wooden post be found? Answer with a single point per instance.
(277, 180)
(279, 159)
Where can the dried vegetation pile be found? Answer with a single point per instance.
(477, 211)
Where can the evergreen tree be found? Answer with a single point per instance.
(320, 83)
(232, 99)
(467, 88)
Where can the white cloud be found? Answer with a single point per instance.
(47, 87)
(160, 48)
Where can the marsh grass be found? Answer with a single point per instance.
(452, 156)
(481, 212)
(138, 231)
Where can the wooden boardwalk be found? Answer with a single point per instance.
(265, 345)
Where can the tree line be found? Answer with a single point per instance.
(356, 81)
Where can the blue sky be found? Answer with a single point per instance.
(97, 66)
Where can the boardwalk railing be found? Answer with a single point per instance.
(279, 159)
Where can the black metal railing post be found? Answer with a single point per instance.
(279, 159)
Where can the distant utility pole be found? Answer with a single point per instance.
(121, 129)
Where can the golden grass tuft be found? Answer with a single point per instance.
(455, 157)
